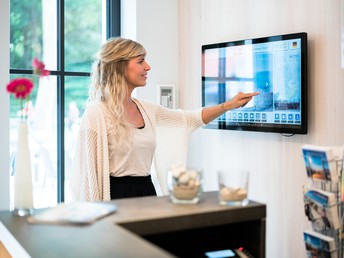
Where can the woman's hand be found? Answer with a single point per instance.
(239, 100)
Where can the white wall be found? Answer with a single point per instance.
(128, 19)
(4, 105)
(275, 162)
(155, 25)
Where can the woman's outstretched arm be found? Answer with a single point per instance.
(239, 100)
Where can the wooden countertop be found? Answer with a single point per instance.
(118, 235)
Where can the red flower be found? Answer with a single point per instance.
(21, 87)
(39, 68)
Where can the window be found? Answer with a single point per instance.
(65, 35)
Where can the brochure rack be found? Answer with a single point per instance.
(322, 224)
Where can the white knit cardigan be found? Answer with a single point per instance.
(90, 175)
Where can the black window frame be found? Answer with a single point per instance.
(113, 29)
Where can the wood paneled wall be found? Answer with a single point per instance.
(275, 161)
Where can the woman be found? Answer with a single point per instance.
(120, 136)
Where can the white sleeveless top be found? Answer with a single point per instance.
(138, 160)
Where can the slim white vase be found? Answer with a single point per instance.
(23, 196)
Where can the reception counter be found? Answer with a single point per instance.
(142, 227)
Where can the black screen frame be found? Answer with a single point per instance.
(282, 128)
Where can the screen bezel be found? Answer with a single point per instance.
(265, 127)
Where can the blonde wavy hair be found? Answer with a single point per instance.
(108, 81)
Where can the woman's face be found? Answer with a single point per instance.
(136, 72)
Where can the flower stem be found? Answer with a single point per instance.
(27, 106)
(21, 110)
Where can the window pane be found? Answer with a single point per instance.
(49, 42)
(32, 32)
(76, 95)
(83, 33)
(26, 32)
(45, 142)
(41, 117)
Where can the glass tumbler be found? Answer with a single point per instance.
(184, 185)
(233, 187)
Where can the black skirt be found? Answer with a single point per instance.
(131, 186)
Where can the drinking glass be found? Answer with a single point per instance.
(184, 185)
(233, 187)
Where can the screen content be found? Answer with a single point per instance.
(272, 66)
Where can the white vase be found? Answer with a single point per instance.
(23, 196)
